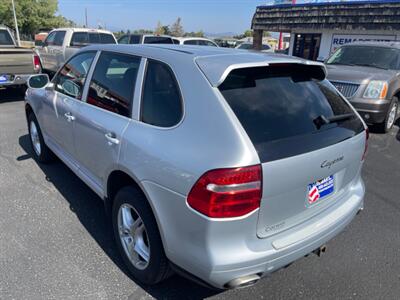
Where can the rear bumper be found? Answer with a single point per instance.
(17, 79)
(371, 110)
(217, 252)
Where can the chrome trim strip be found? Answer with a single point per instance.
(233, 187)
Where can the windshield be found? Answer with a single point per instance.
(5, 38)
(379, 57)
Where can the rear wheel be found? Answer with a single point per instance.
(137, 237)
(391, 116)
(40, 151)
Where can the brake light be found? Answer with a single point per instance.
(36, 63)
(366, 143)
(227, 193)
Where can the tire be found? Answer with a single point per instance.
(40, 150)
(145, 236)
(390, 119)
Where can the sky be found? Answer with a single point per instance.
(211, 16)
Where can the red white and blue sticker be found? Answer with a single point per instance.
(320, 189)
(3, 78)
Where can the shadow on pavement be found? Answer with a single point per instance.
(89, 209)
(12, 94)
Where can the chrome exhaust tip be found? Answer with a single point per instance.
(242, 282)
(320, 250)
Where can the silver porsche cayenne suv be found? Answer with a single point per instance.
(220, 164)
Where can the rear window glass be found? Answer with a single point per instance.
(135, 39)
(5, 38)
(157, 40)
(80, 39)
(279, 107)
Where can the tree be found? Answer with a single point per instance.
(143, 31)
(177, 28)
(194, 34)
(33, 15)
(159, 29)
(167, 31)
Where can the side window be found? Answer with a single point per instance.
(106, 38)
(79, 39)
(113, 82)
(71, 78)
(124, 39)
(161, 100)
(211, 44)
(135, 39)
(59, 38)
(94, 38)
(191, 42)
(50, 39)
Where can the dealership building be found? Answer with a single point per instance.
(318, 29)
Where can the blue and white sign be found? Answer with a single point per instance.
(3, 78)
(339, 40)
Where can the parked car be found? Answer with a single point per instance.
(220, 165)
(196, 41)
(145, 39)
(16, 64)
(249, 46)
(62, 43)
(368, 75)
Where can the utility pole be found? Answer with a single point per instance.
(86, 23)
(16, 24)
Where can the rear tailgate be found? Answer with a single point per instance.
(289, 196)
(16, 61)
(309, 139)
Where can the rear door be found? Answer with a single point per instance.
(308, 164)
(105, 115)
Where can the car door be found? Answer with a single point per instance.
(56, 58)
(63, 101)
(44, 50)
(103, 118)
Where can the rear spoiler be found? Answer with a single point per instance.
(217, 67)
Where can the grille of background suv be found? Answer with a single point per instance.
(347, 89)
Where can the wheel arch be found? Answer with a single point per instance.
(120, 178)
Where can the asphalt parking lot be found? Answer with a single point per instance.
(55, 242)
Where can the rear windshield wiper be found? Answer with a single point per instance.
(322, 120)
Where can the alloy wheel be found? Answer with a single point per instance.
(35, 138)
(133, 236)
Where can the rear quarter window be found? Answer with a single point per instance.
(278, 106)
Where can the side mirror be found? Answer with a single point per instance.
(38, 81)
(71, 88)
(39, 43)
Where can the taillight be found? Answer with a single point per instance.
(366, 143)
(227, 193)
(36, 62)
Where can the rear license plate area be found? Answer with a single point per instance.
(320, 189)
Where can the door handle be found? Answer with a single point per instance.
(111, 139)
(69, 117)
